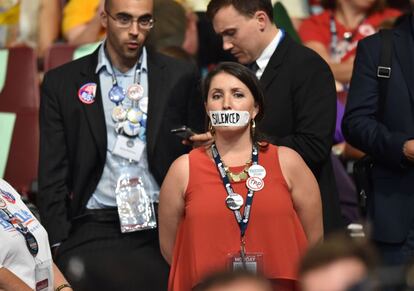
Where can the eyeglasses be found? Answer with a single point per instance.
(123, 20)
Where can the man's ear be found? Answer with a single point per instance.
(104, 19)
(262, 19)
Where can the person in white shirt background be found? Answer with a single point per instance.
(25, 257)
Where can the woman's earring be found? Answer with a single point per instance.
(253, 126)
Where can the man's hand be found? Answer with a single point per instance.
(408, 150)
(200, 140)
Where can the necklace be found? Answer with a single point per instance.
(237, 177)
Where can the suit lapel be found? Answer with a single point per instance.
(94, 112)
(157, 99)
(275, 61)
(404, 46)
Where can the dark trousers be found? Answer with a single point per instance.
(396, 258)
(97, 256)
(397, 254)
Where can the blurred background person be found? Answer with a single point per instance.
(25, 259)
(334, 35)
(298, 10)
(34, 23)
(170, 28)
(81, 21)
(50, 18)
(198, 233)
(234, 281)
(337, 264)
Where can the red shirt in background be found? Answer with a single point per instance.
(317, 28)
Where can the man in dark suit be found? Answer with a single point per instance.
(388, 138)
(299, 89)
(92, 136)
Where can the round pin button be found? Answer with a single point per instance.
(116, 94)
(119, 127)
(131, 129)
(143, 104)
(257, 171)
(135, 92)
(234, 201)
(134, 115)
(130, 143)
(255, 183)
(118, 113)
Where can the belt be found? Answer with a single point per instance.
(103, 215)
(98, 215)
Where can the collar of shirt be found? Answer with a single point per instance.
(103, 61)
(267, 53)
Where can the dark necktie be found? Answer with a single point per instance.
(253, 67)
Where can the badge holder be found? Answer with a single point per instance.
(135, 209)
(253, 262)
(44, 275)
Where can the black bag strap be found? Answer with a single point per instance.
(384, 69)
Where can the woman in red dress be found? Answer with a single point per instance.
(238, 203)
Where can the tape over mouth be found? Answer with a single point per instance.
(229, 118)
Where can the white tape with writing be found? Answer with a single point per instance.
(229, 118)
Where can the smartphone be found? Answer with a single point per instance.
(183, 132)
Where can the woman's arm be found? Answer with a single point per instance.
(10, 282)
(59, 279)
(171, 207)
(305, 193)
(50, 16)
(79, 31)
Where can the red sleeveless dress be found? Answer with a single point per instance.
(208, 231)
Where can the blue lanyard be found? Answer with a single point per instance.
(242, 221)
(117, 90)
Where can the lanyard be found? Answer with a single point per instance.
(31, 241)
(242, 221)
(117, 93)
(137, 74)
(334, 34)
(130, 119)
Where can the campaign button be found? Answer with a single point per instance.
(255, 183)
(257, 171)
(135, 92)
(87, 93)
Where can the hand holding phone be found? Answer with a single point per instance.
(183, 132)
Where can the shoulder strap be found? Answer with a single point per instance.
(384, 68)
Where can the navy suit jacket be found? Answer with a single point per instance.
(73, 138)
(391, 207)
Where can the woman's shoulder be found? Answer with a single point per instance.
(288, 156)
(199, 153)
(180, 163)
(7, 191)
(196, 156)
